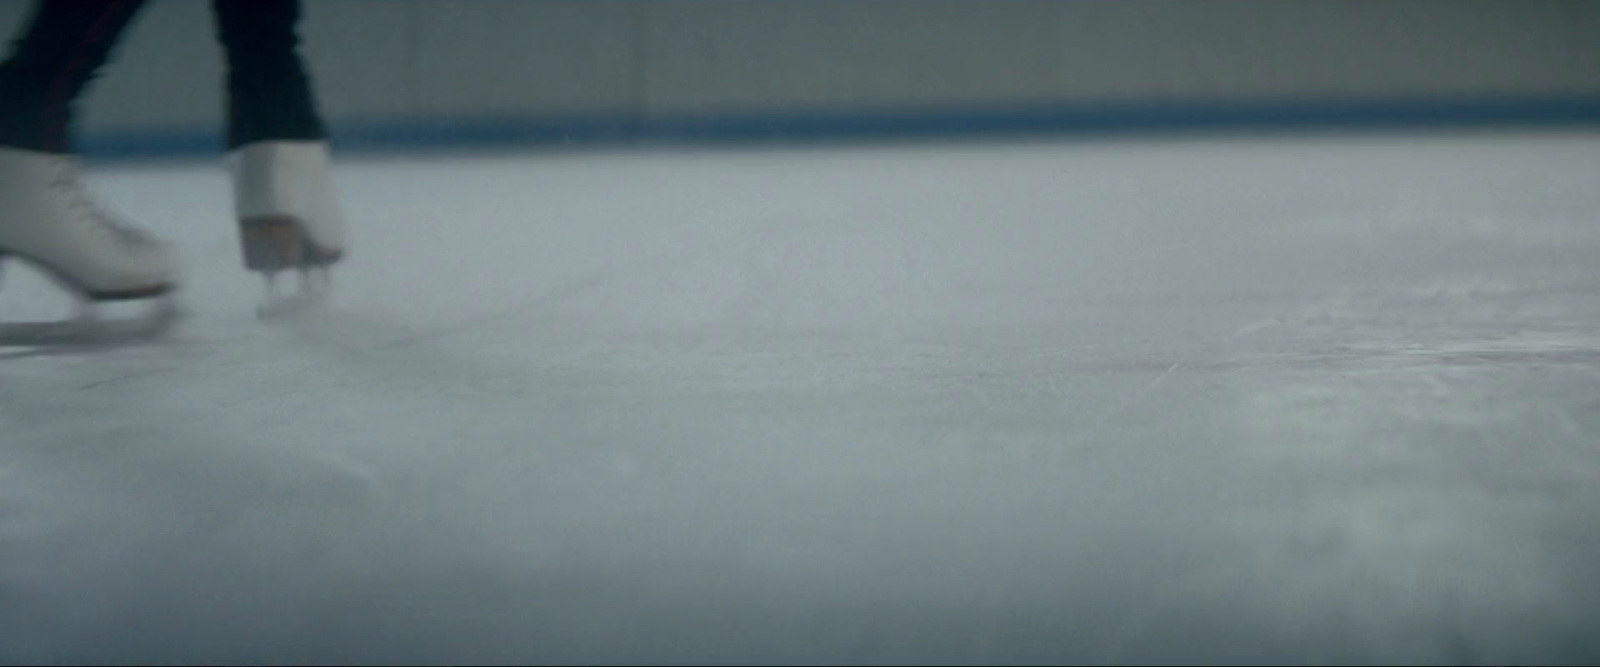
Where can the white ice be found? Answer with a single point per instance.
(1294, 399)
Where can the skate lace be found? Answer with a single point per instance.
(68, 181)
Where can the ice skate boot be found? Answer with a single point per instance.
(50, 220)
(289, 217)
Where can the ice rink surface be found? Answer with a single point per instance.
(1303, 399)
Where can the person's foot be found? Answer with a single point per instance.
(48, 218)
(287, 207)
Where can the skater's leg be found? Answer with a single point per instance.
(62, 46)
(269, 93)
(277, 142)
(47, 216)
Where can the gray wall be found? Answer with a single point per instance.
(420, 60)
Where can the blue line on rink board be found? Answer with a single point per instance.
(871, 125)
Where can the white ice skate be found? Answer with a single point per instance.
(49, 220)
(289, 217)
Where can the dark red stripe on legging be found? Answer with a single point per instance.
(60, 92)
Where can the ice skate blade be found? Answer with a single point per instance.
(289, 305)
(92, 331)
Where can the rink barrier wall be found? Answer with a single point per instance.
(410, 74)
(912, 125)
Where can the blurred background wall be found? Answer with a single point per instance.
(407, 74)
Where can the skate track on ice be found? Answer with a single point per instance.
(1294, 399)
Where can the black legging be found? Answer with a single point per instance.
(65, 44)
